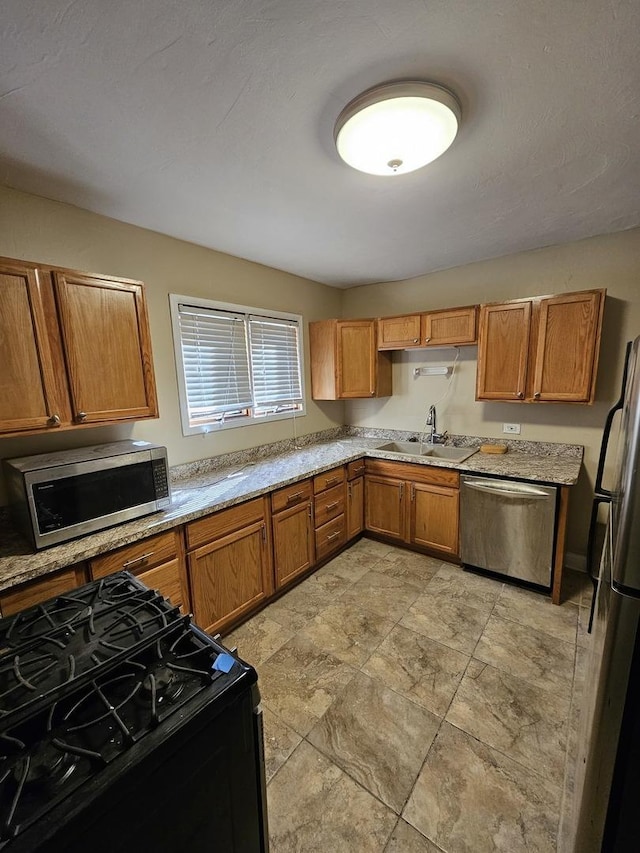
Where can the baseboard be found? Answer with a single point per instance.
(577, 562)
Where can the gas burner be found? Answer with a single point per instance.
(49, 766)
(162, 685)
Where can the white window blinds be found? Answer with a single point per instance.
(215, 359)
(275, 363)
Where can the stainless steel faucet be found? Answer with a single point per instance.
(435, 437)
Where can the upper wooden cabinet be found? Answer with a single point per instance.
(450, 327)
(75, 349)
(345, 362)
(540, 350)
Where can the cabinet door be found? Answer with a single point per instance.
(293, 542)
(434, 518)
(503, 344)
(355, 507)
(449, 328)
(29, 594)
(30, 398)
(356, 358)
(229, 577)
(107, 348)
(384, 506)
(567, 347)
(399, 332)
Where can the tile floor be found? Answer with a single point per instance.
(413, 707)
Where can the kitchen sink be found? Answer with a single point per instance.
(436, 451)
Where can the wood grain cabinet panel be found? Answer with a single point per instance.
(453, 327)
(31, 397)
(330, 537)
(384, 506)
(76, 348)
(32, 593)
(355, 507)
(503, 347)
(434, 518)
(399, 332)
(107, 348)
(229, 577)
(293, 542)
(345, 362)
(540, 350)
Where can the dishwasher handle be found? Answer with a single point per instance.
(515, 490)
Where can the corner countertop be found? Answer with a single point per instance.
(197, 494)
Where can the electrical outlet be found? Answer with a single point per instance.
(514, 429)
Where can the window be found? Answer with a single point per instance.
(236, 365)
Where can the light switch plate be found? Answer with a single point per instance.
(514, 429)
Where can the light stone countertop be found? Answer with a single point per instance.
(208, 491)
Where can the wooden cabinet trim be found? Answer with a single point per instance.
(355, 507)
(429, 474)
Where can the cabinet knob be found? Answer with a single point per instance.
(372, 393)
(415, 340)
(54, 420)
(520, 395)
(81, 416)
(426, 340)
(537, 395)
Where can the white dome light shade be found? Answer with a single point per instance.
(397, 127)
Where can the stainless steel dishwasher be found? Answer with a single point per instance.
(508, 526)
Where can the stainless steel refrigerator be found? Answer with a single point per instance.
(606, 797)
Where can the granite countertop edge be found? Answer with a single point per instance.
(209, 491)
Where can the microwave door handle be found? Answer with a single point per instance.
(598, 490)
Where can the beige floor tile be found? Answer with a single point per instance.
(387, 596)
(470, 798)
(524, 722)
(258, 638)
(528, 654)
(412, 568)
(574, 585)
(449, 622)
(537, 611)
(348, 632)
(373, 547)
(378, 737)
(457, 585)
(406, 839)
(316, 808)
(279, 742)
(300, 681)
(419, 668)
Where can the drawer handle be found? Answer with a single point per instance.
(137, 560)
(359, 470)
(333, 482)
(294, 497)
(332, 506)
(333, 536)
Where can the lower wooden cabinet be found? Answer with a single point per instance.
(413, 504)
(292, 523)
(231, 574)
(158, 562)
(33, 592)
(355, 507)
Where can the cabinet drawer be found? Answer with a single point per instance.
(329, 504)
(328, 479)
(291, 495)
(141, 555)
(355, 469)
(27, 595)
(431, 475)
(330, 536)
(221, 523)
(166, 579)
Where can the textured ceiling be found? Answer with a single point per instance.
(212, 121)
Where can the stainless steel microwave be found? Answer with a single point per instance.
(60, 496)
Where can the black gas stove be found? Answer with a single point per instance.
(124, 727)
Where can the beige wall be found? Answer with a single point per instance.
(41, 230)
(37, 229)
(608, 261)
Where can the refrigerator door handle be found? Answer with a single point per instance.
(598, 490)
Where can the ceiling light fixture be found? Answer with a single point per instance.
(397, 127)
